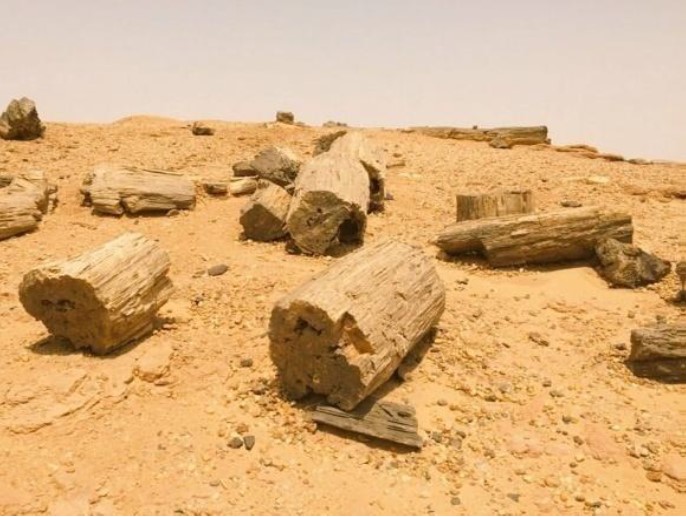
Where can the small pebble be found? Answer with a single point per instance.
(249, 441)
(236, 442)
(455, 501)
(218, 270)
(246, 362)
(568, 203)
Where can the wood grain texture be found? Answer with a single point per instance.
(493, 204)
(264, 217)
(24, 198)
(115, 189)
(385, 420)
(343, 333)
(515, 240)
(104, 298)
(659, 342)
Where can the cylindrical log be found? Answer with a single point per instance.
(243, 186)
(372, 158)
(494, 204)
(659, 342)
(343, 333)
(264, 217)
(330, 203)
(514, 240)
(104, 298)
(18, 214)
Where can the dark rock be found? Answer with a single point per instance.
(218, 270)
(276, 164)
(332, 123)
(243, 169)
(246, 362)
(625, 265)
(216, 188)
(20, 121)
(514, 497)
(200, 129)
(455, 501)
(249, 442)
(285, 117)
(570, 204)
(388, 196)
(323, 143)
(236, 442)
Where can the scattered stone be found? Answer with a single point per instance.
(243, 186)
(249, 442)
(514, 497)
(200, 129)
(218, 270)
(598, 180)
(285, 117)
(611, 157)
(388, 196)
(216, 188)
(455, 501)
(620, 346)
(570, 204)
(538, 339)
(236, 442)
(246, 362)
(442, 402)
(674, 466)
(332, 123)
(500, 143)
(279, 165)
(154, 363)
(556, 393)
(639, 161)
(20, 121)
(243, 169)
(625, 265)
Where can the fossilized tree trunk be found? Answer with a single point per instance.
(264, 217)
(558, 236)
(24, 199)
(493, 204)
(113, 189)
(343, 333)
(330, 203)
(104, 298)
(659, 352)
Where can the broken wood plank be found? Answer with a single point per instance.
(376, 418)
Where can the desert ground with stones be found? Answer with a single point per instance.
(523, 398)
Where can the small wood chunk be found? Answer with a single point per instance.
(376, 418)
(264, 217)
(200, 129)
(104, 298)
(243, 186)
(659, 342)
(216, 188)
(493, 204)
(113, 189)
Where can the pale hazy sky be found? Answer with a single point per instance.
(611, 73)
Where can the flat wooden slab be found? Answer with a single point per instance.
(385, 420)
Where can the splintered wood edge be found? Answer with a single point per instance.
(384, 420)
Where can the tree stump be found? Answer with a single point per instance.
(659, 352)
(343, 333)
(104, 298)
(264, 217)
(494, 204)
(515, 240)
(113, 189)
(330, 203)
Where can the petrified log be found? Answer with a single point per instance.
(386, 420)
(343, 333)
(506, 136)
(243, 186)
(264, 217)
(18, 214)
(659, 352)
(113, 189)
(624, 265)
(330, 202)
(372, 158)
(279, 165)
(104, 298)
(514, 240)
(493, 204)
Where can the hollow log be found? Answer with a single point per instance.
(372, 158)
(113, 189)
(104, 298)
(493, 204)
(514, 240)
(264, 217)
(343, 333)
(330, 202)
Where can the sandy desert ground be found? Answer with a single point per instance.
(510, 425)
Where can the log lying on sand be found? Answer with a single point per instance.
(659, 352)
(343, 333)
(264, 217)
(104, 298)
(514, 240)
(243, 186)
(372, 158)
(330, 203)
(114, 189)
(24, 199)
(508, 136)
(493, 204)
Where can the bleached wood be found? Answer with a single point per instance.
(264, 217)
(330, 203)
(18, 214)
(343, 333)
(243, 186)
(513, 240)
(104, 298)
(493, 204)
(115, 189)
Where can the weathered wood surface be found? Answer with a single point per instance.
(625, 265)
(330, 202)
(115, 189)
(514, 240)
(659, 342)
(264, 217)
(104, 298)
(493, 204)
(372, 158)
(343, 333)
(516, 135)
(376, 418)
(24, 198)
(243, 186)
